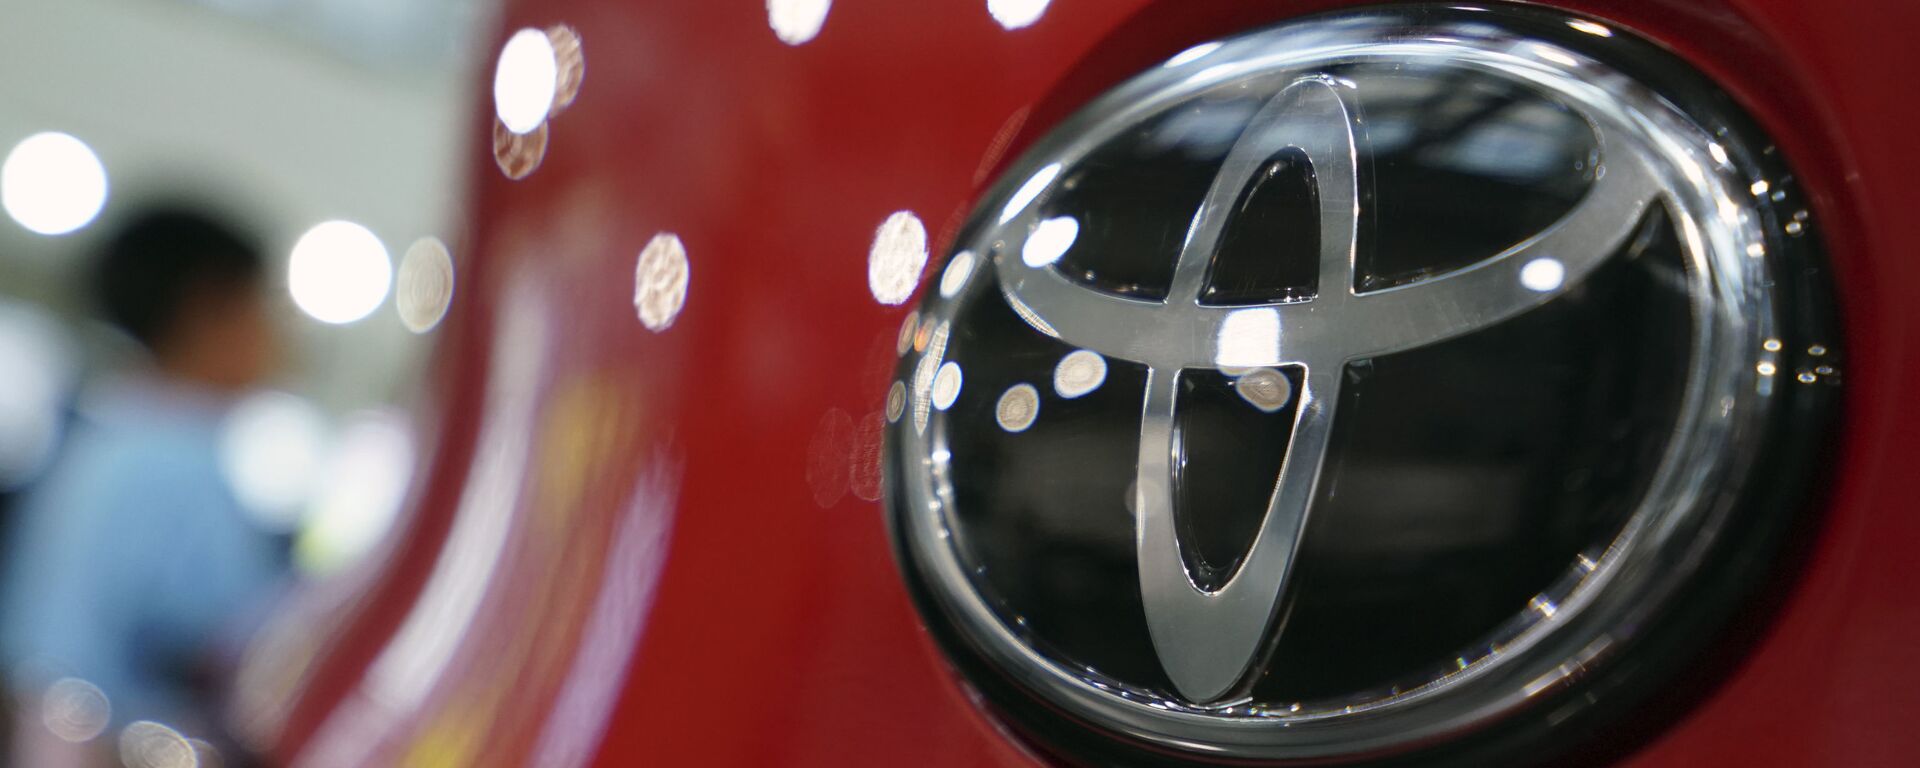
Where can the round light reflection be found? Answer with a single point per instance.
(339, 272)
(272, 450)
(526, 80)
(899, 253)
(53, 184)
(797, 21)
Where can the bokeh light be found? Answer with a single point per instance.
(339, 272)
(526, 80)
(272, 448)
(53, 184)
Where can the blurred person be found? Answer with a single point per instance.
(128, 561)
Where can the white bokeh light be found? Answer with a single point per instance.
(272, 448)
(526, 80)
(797, 21)
(898, 254)
(339, 272)
(1024, 196)
(53, 184)
(1014, 14)
(365, 485)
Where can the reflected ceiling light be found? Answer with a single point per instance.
(660, 281)
(53, 184)
(1248, 338)
(425, 286)
(519, 154)
(526, 80)
(1543, 274)
(272, 448)
(1022, 198)
(1014, 14)
(946, 385)
(339, 272)
(1265, 388)
(797, 21)
(146, 744)
(1050, 241)
(899, 253)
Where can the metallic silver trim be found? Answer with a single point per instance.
(1210, 643)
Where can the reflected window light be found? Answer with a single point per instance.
(75, 710)
(1050, 241)
(1015, 14)
(1248, 338)
(53, 184)
(339, 272)
(425, 286)
(898, 255)
(1079, 373)
(1590, 28)
(796, 22)
(272, 449)
(958, 270)
(525, 80)
(660, 282)
(1192, 54)
(1543, 274)
(365, 485)
(1024, 197)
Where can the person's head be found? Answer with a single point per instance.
(190, 289)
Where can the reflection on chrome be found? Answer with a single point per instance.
(1036, 184)
(1015, 14)
(1019, 406)
(1248, 338)
(425, 286)
(923, 374)
(898, 255)
(796, 22)
(519, 155)
(1078, 373)
(946, 385)
(660, 282)
(1591, 28)
(570, 63)
(1265, 388)
(958, 270)
(272, 447)
(1543, 274)
(75, 710)
(1051, 239)
(53, 184)
(339, 272)
(525, 80)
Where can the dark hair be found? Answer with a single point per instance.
(161, 259)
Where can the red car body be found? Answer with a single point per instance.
(686, 564)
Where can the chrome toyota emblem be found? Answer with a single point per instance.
(1096, 329)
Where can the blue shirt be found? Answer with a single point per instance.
(131, 555)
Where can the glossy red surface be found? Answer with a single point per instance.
(701, 499)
